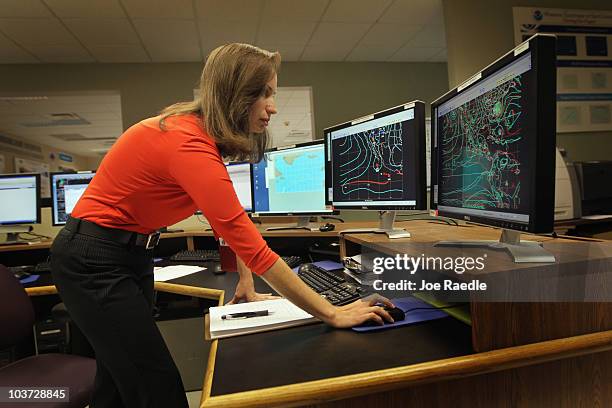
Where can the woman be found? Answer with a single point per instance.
(159, 172)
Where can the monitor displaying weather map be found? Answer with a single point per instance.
(375, 162)
(291, 181)
(483, 146)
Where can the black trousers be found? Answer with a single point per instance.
(108, 290)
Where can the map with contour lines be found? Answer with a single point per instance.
(370, 165)
(480, 150)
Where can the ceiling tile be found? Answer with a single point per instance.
(36, 31)
(287, 52)
(167, 39)
(182, 53)
(214, 33)
(293, 10)
(12, 54)
(394, 35)
(364, 52)
(415, 54)
(286, 32)
(159, 8)
(438, 18)
(24, 8)
(355, 11)
(86, 9)
(340, 34)
(328, 52)
(119, 53)
(440, 57)
(229, 10)
(412, 12)
(61, 53)
(102, 31)
(429, 36)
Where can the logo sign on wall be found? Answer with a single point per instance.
(584, 62)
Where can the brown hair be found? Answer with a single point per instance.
(234, 77)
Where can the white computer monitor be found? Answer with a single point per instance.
(19, 199)
(240, 174)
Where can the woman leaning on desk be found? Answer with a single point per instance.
(159, 172)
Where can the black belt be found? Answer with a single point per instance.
(120, 236)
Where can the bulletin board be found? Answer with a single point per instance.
(584, 62)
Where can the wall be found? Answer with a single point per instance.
(480, 31)
(78, 163)
(341, 91)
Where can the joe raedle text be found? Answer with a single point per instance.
(446, 285)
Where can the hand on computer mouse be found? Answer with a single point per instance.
(363, 310)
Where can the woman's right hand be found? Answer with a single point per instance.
(361, 311)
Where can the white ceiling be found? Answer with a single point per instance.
(92, 124)
(120, 31)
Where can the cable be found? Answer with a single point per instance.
(434, 308)
(34, 234)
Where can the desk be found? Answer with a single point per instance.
(433, 364)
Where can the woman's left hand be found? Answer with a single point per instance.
(245, 292)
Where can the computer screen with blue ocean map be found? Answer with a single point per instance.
(291, 181)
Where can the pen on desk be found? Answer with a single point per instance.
(244, 315)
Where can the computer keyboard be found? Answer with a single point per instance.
(42, 267)
(331, 287)
(293, 260)
(196, 255)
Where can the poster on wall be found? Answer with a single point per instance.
(33, 166)
(2, 165)
(584, 62)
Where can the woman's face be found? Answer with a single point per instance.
(263, 108)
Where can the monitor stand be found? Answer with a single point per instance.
(302, 223)
(12, 234)
(521, 251)
(385, 226)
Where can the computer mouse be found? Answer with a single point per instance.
(396, 313)
(305, 267)
(217, 270)
(21, 274)
(327, 227)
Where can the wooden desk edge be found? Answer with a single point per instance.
(354, 385)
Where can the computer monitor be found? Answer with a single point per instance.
(377, 162)
(290, 181)
(493, 147)
(66, 189)
(240, 174)
(19, 204)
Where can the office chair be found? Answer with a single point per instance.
(45, 370)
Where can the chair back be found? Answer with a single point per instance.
(16, 311)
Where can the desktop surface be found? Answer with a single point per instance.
(318, 351)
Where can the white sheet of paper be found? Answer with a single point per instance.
(174, 271)
(282, 313)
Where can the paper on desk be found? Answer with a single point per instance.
(174, 271)
(282, 313)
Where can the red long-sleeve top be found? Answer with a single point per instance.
(153, 178)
